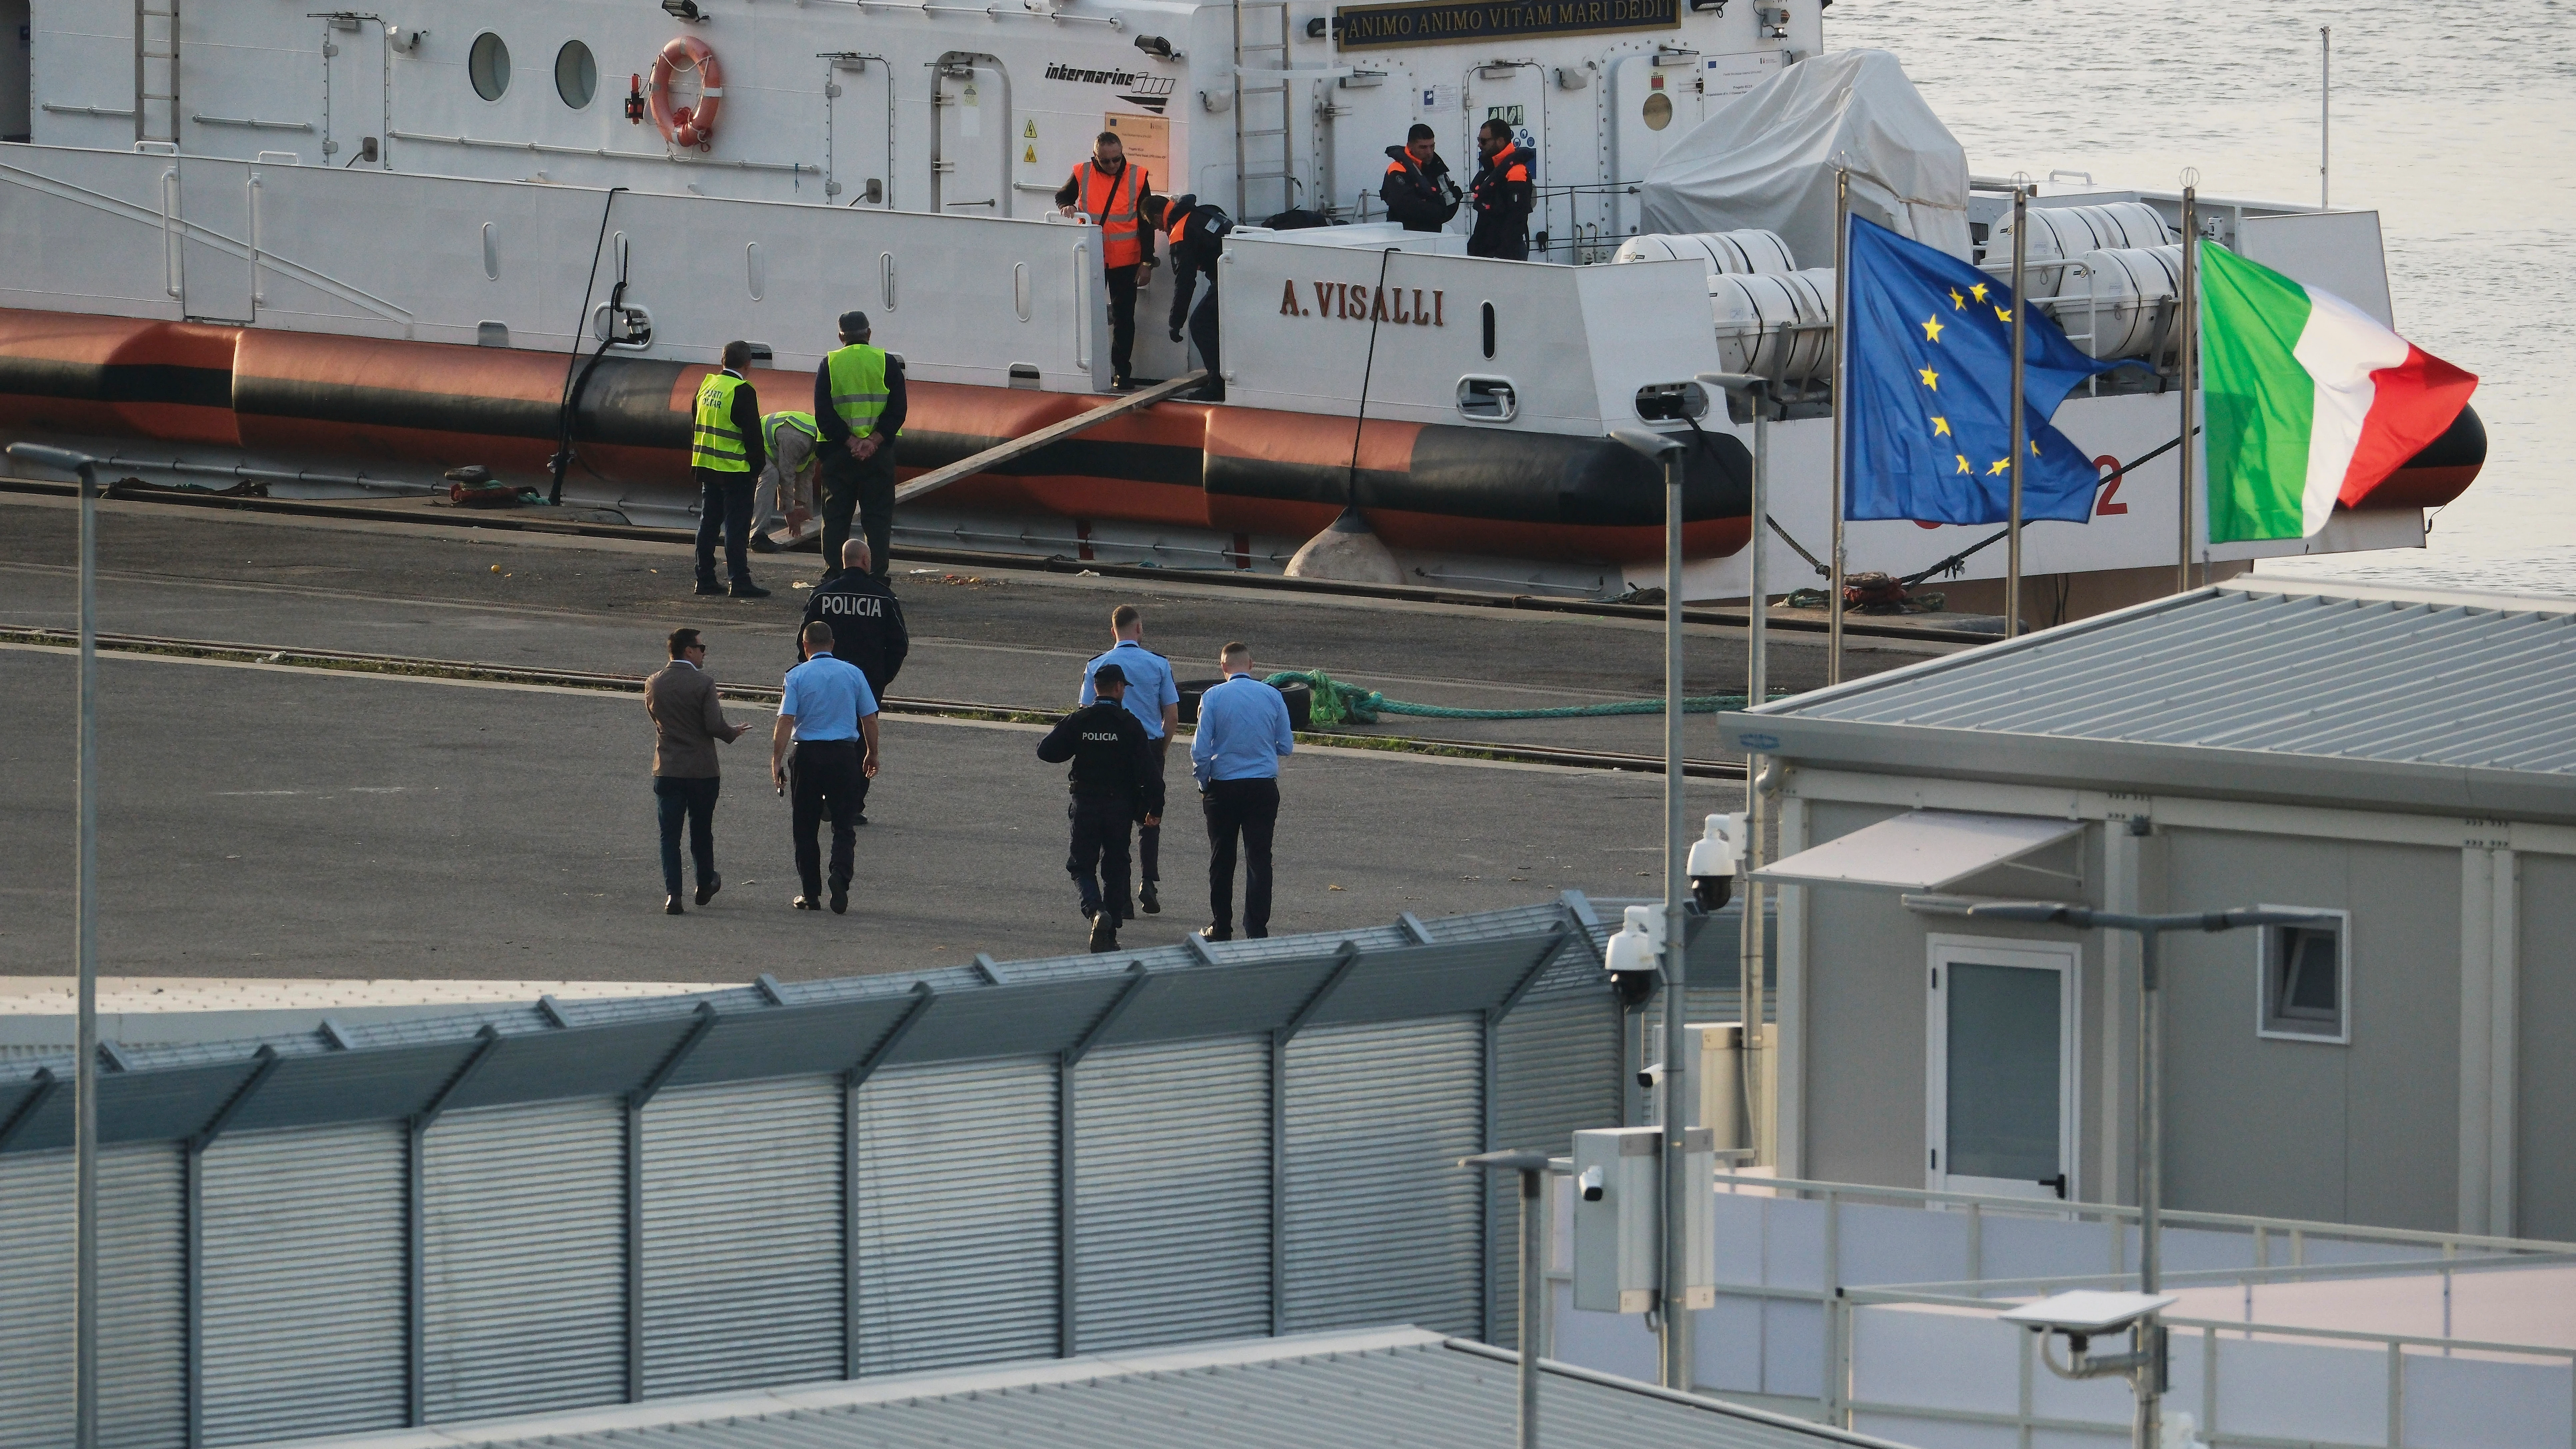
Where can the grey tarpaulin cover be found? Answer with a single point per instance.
(1767, 160)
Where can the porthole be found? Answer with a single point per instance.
(488, 66)
(1659, 111)
(576, 74)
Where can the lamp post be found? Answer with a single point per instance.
(2151, 1367)
(1532, 1167)
(1667, 451)
(85, 1075)
(1755, 390)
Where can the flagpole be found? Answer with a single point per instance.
(2021, 306)
(1842, 419)
(2190, 347)
(2325, 114)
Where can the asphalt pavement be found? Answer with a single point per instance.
(270, 821)
(276, 821)
(1008, 637)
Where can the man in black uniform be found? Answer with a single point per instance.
(1115, 783)
(1197, 232)
(1417, 189)
(867, 627)
(1503, 192)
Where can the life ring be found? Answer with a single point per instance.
(687, 125)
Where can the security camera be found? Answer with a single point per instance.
(1590, 1184)
(1634, 957)
(2088, 1313)
(1712, 860)
(1651, 1077)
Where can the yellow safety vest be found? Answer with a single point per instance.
(858, 374)
(771, 423)
(718, 446)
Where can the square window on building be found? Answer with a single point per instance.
(2306, 976)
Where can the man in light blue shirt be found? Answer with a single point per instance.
(1155, 699)
(1243, 735)
(826, 712)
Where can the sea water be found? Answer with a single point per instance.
(2452, 121)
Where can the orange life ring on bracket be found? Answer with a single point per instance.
(687, 125)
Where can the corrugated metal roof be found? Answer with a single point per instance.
(556, 1049)
(1387, 1386)
(2336, 691)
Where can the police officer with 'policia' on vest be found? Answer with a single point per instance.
(867, 628)
(1116, 783)
(859, 407)
(725, 453)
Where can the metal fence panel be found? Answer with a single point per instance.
(957, 1214)
(1383, 1225)
(143, 1395)
(742, 1235)
(304, 1282)
(1558, 1073)
(1172, 1193)
(525, 1259)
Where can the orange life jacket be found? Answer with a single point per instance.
(1112, 200)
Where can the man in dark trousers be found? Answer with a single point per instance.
(1112, 191)
(1154, 697)
(1502, 194)
(1417, 189)
(826, 713)
(1115, 784)
(859, 407)
(867, 627)
(687, 722)
(1197, 230)
(1243, 735)
(726, 455)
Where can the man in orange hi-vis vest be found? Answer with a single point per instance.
(1110, 191)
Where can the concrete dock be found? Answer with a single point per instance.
(260, 820)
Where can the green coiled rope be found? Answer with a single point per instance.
(1339, 703)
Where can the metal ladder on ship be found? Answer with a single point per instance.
(156, 70)
(1262, 144)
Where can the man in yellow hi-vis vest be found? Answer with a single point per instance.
(726, 454)
(859, 405)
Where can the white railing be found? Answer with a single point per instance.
(1877, 1305)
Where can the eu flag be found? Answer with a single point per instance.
(1927, 393)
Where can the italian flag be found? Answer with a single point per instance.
(2310, 401)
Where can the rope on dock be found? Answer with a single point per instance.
(1339, 703)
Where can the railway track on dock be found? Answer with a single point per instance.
(533, 521)
(412, 666)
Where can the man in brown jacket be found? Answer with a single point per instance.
(687, 722)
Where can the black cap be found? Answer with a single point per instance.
(853, 323)
(1108, 674)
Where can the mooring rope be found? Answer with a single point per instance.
(1339, 703)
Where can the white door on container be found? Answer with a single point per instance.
(862, 165)
(969, 176)
(2000, 1085)
(1651, 107)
